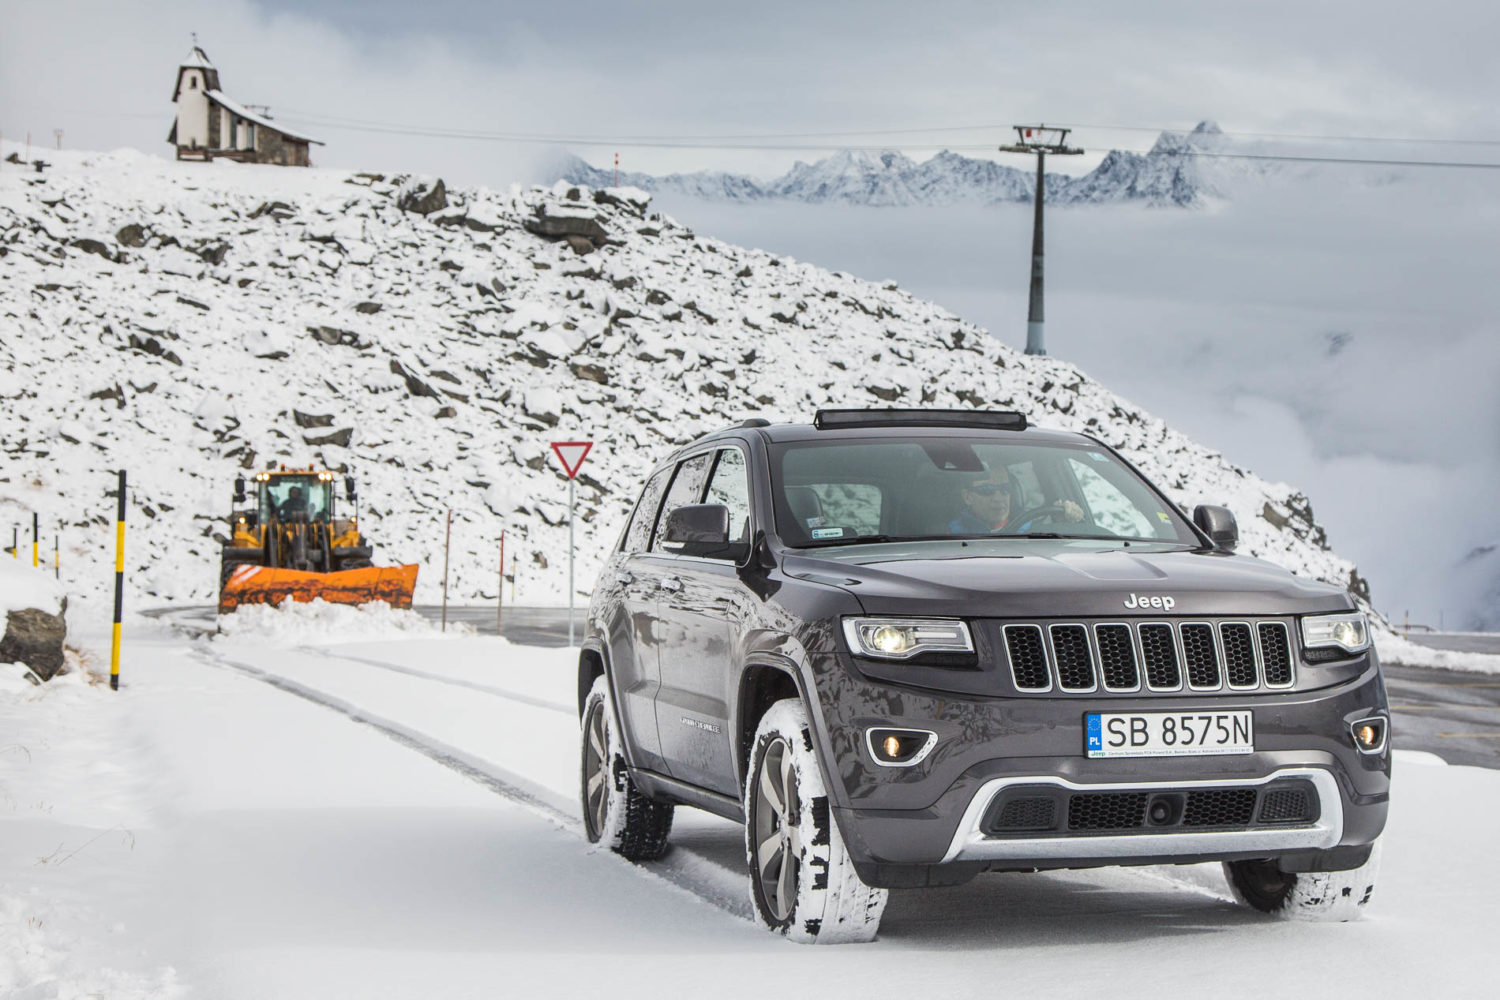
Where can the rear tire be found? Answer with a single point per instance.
(614, 812)
(1317, 896)
(802, 881)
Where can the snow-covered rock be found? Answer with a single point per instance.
(253, 299)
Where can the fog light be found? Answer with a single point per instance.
(899, 747)
(1369, 734)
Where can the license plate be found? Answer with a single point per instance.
(1167, 734)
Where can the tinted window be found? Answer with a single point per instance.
(730, 486)
(842, 489)
(638, 535)
(687, 487)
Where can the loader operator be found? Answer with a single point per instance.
(294, 507)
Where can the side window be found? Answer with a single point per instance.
(638, 535)
(687, 488)
(730, 486)
(1110, 507)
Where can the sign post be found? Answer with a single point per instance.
(571, 454)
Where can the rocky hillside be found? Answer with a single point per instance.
(1171, 173)
(190, 322)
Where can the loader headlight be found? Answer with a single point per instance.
(903, 638)
(1350, 632)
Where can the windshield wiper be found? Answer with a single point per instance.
(828, 543)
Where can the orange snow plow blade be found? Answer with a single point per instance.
(266, 585)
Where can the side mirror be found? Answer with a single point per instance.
(239, 489)
(349, 490)
(700, 530)
(1218, 524)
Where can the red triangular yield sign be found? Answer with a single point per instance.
(571, 454)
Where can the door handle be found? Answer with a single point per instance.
(671, 583)
(625, 576)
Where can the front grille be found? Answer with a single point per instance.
(1027, 814)
(1286, 805)
(1028, 657)
(1106, 810)
(1160, 655)
(1275, 653)
(1117, 657)
(1075, 664)
(1219, 807)
(1035, 810)
(1201, 654)
(1239, 654)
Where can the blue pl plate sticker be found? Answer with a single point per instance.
(1095, 735)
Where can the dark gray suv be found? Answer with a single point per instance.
(903, 647)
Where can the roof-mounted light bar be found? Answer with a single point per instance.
(1002, 420)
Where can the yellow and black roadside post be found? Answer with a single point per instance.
(35, 528)
(15, 542)
(56, 560)
(114, 645)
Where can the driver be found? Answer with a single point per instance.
(295, 505)
(988, 498)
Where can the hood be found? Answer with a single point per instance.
(1015, 578)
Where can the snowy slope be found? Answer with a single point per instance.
(1171, 173)
(189, 322)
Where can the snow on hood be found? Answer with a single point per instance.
(191, 323)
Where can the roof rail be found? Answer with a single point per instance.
(753, 422)
(1005, 420)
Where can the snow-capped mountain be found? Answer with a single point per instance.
(192, 322)
(1173, 173)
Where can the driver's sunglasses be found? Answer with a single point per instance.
(990, 489)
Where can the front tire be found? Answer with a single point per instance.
(802, 881)
(1318, 896)
(614, 812)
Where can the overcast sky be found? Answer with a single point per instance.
(1339, 334)
(102, 72)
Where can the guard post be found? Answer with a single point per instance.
(114, 643)
(35, 528)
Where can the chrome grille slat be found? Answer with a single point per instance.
(1156, 655)
(1159, 658)
(1118, 661)
(1074, 657)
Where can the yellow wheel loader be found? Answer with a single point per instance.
(290, 543)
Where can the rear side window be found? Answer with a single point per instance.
(638, 535)
(730, 486)
(687, 488)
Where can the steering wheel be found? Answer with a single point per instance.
(1049, 510)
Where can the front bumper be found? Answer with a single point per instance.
(934, 813)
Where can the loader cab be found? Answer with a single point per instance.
(296, 497)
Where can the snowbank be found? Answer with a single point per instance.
(24, 587)
(293, 623)
(1393, 649)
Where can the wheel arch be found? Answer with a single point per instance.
(764, 680)
(590, 666)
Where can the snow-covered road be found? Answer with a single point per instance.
(274, 815)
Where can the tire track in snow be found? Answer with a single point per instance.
(524, 699)
(682, 867)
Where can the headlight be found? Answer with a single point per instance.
(1349, 632)
(903, 638)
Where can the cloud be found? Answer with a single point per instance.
(1224, 323)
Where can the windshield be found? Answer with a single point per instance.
(295, 498)
(899, 489)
